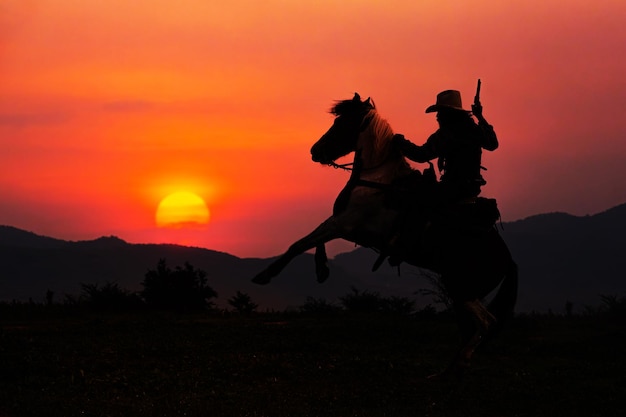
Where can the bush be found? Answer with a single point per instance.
(373, 302)
(242, 303)
(399, 305)
(362, 302)
(108, 297)
(613, 306)
(179, 289)
(319, 306)
(437, 291)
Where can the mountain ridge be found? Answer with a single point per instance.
(562, 259)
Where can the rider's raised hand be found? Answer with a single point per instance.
(477, 110)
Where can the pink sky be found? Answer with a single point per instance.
(107, 107)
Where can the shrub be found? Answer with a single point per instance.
(108, 297)
(242, 303)
(319, 306)
(437, 291)
(613, 306)
(363, 302)
(180, 289)
(399, 305)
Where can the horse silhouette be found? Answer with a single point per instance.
(470, 265)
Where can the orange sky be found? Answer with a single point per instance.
(106, 107)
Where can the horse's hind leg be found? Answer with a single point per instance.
(321, 263)
(322, 234)
(474, 322)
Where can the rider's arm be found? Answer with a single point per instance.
(489, 138)
(416, 153)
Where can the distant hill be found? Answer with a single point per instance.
(561, 258)
(565, 258)
(33, 264)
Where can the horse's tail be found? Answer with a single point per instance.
(503, 303)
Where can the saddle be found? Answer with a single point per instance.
(478, 214)
(420, 194)
(472, 217)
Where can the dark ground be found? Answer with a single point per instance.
(164, 365)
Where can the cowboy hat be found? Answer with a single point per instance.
(449, 99)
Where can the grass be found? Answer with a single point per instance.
(166, 365)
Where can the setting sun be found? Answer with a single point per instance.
(182, 209)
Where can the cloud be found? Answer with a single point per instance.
(124, 106)
(62, 110)
(20, 120)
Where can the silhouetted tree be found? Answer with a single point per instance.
(242, 303)
(181, 289)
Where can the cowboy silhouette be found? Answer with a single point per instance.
(458, 145)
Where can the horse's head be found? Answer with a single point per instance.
(343, 136)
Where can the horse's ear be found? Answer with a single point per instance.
(357, 97)
(367, 102)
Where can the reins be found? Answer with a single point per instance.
(356, 168)
(350, 166)
(346, 167)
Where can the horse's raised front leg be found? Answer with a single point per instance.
(322, 234)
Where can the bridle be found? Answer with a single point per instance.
(356, 167)
(352, 166)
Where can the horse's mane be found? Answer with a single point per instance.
(378, 127)
(346, 106)
(378, 131)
